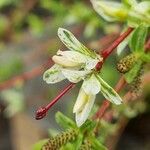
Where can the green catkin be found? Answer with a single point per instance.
(86, 145)
(125, 64)
(60, 140)
(136, 83)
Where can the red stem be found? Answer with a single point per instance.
(41, 112)
(105, 53)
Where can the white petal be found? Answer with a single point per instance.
(74, 75)
(82, 115)
(73, 56)
(73, 44)
(110, 10)
(81, 100)
(53, 75)
(109, 93)
(91, 85)
(91, 63)
(64, 62)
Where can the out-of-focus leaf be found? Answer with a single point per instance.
(96, 145)
(14, 100)
(139, 14)
(36, 24)
(39, 145)
(110, 10)
(129, 76)
(138, 39)
(129, 3)
(64, 121)
(10, 68)
(145, 57)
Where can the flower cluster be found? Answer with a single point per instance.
(79, 64)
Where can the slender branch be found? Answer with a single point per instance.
(25, 76)
(105, 53)
(41, 112)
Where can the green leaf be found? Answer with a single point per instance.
(108, 92)
(77, 143)
(138, 39)
(39, 145)
(73, 44)
(96, 144)
(129, 3)
(139, 14)
(88, 126)
(64, 121)
(129, 76)
(145, 57)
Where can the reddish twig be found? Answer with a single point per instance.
(41, 112)
(25, 76)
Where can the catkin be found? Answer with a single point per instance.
(60, 140)
(86, 145)
(136, 83)
(125, 64)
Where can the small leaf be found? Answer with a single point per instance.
(73, 44)
(145, 57)
(110, 10)
(108, 92)
(138, 39)
(39, 145)
(77, 143)
(64, 121)
(88, 126)
(53, 75)
(96, 144)
(130, 76)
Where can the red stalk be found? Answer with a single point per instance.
(41, 112)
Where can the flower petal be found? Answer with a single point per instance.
(53, 75)
(91, 85)
(82, 115)
(64, 62)
(108, 92)
(73, 44)
(74, 75)
(110, 10)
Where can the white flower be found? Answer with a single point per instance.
(76, 65)
(90, 87)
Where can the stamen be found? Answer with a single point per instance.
(41, 112)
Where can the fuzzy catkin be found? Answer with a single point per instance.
(136, 83)
(125, 64)
(86, 145)
(60, 140)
